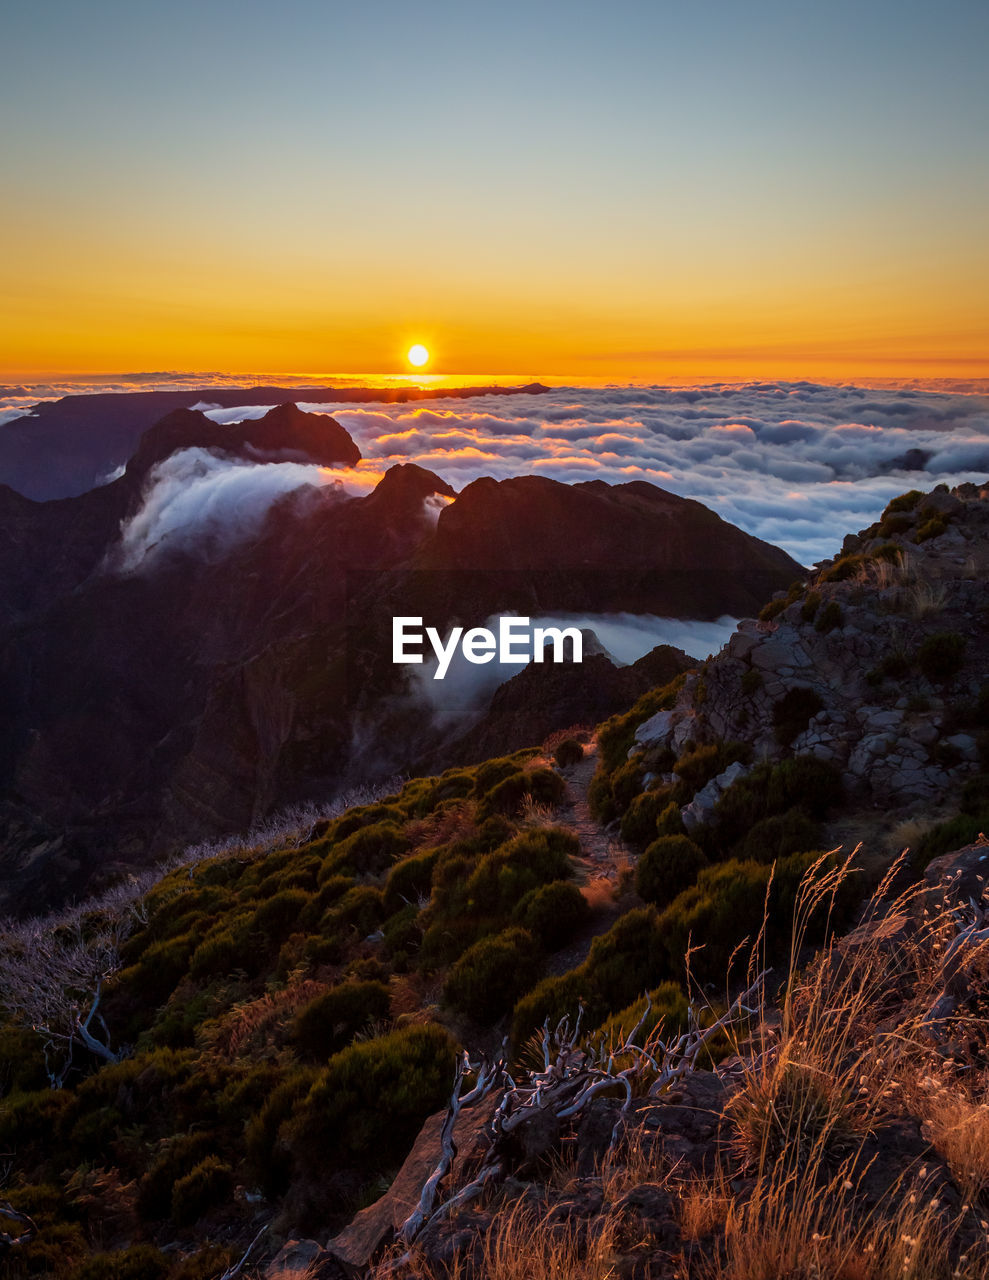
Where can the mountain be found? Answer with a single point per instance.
(221, 679)
(602, 1004)
(65, 447)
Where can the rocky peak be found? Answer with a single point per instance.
(878, 663)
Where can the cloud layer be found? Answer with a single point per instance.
(196, 501)
(798, 464)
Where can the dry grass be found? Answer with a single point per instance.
(259, 1025)
(926, 598)
(443, 826)
(703, 1207)
(599, 894)
(957, 1125)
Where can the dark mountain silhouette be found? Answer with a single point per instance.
(142, 710)
(67, 446)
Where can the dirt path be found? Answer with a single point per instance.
(602, 854)
(602, 860)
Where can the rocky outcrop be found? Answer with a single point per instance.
(877, 664)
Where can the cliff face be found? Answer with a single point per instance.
(878, 666)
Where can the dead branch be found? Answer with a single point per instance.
(8, 1241)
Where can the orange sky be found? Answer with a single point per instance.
(636, 193)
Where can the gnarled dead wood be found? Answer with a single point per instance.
(8, 1241)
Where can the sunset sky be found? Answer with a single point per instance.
(622, 190)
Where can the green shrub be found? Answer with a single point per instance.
(278, 916)
(225, 951)
(932, 527)
(549, 1001)
(492, 974)
(844, 568)
(553, 913)
(669, 1007)
(810, 606)
(265, 1147)
(829, 617)
(905, 502)
(638, 825)
(568, 752)
(410, 879)
(773, 609)
(723, 907)
(670, 865)
(544, 786)
(696, 768)
(793, 713)
(616, 735)
(941, 655)
(752, 682)
(669, 822)
(368, 1104)
(361, 908)
(174, 1160)
(894, 523)
(209, 1184)
(802, 782)
(329, 1023)
(779, 835)
(628, 958)
(139, 1262)
(504, 876)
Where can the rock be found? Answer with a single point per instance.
(656, 729)
(965, 745)
(302, 1258)
(374, 1226)
(701, 807)
(960, 876)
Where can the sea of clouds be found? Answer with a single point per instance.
(798, 464)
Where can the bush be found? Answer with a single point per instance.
(492, 974)
(779, 835)
(410, 879)
(905, 502)
(544, 786)
(829, 617)
(369, 850)
(696, 768)
(329, 1023)
(941, 655)
(278, 916)
(174, 1160)
(139, 1262)
(628, 958)
(361, 908)
(752, 682)
(225, 951)
(553, 913)
(369, 1103)
(933, 527)
(669, 1007)
(638, 826)
(793, 713)
(504, 876)
(209, 1184)
(844, 568)
(568, 752)
(670, 865)
(724, 906)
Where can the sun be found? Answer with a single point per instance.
(418, 355)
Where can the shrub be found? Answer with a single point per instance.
(225, 951)
(369, 850)
(941, 655)
(553, 913)
(793, 713)
(905, 502)
(773, 609)
(932, 527)
(670, 865)
(810, 606)
(781, 834)
(638, 826)
(278, 916)
(506, 875)
(844, 568)
(697, 767)
(829, 617)
(174, 1160)
(365, 1108)
(894, 523)
(669, 822)
(551, 1000)
(492, 974)
(724, 906)
(752, 682)
(329, 1023)
(627, 959)
(139, 1262)
(267, 1152)
(207, 1185)
(568, 752)
(411, 879)
(669, 1007)
(544, 786)
(361, 908)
